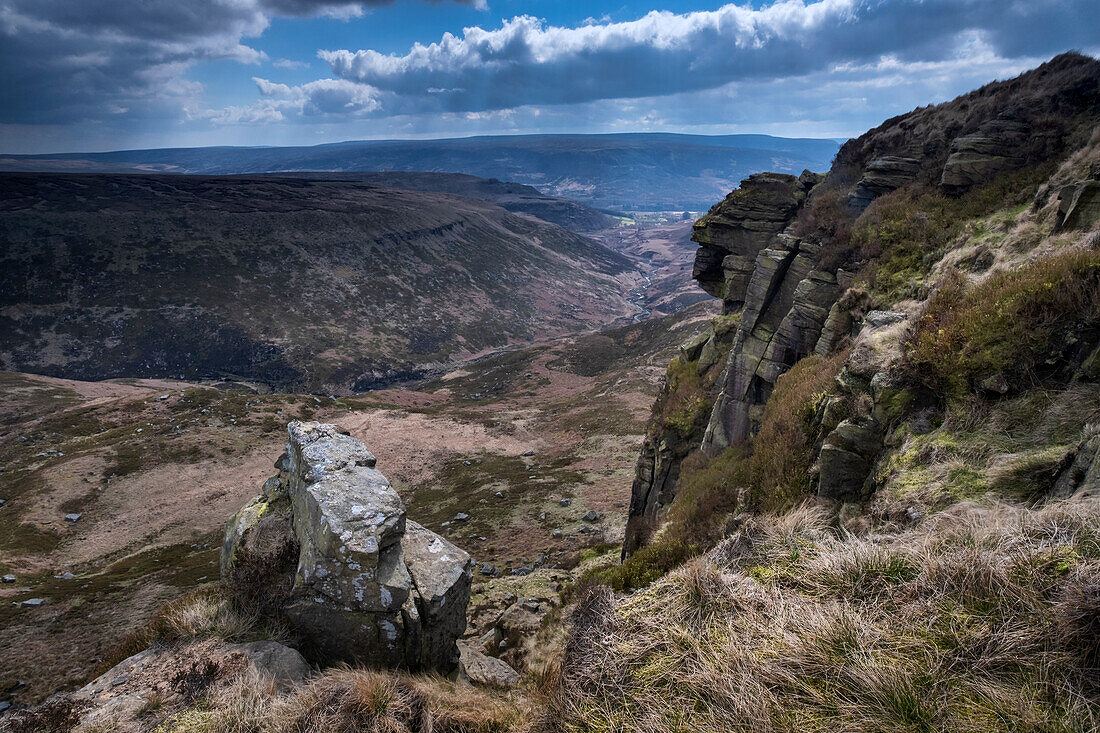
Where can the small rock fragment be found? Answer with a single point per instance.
(9, 578)
(591, 516)
(565, 502)
(461, 517)
(33, 602)
(73, 517)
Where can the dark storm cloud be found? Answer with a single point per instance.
(526, 62)
(65, 61)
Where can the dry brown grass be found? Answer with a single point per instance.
(347, 700)
(984, 618)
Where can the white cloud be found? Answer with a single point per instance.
(289, 64)
(527, 61)
(71, 61)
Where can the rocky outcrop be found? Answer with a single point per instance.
(883, 175)
(657, 470)
(787, 302)
(998, 146)
(481, 669)
(732, 234)
(327, 549)
(1079, 204)
(784, 254)
(167, 677)
(846, 459)
(1081, 472)
(971, 139)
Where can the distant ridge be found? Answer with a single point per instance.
(629, 171)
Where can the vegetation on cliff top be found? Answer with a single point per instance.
(985, 618)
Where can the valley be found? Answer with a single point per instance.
(154, 467)
(311, 285)
(390, 451)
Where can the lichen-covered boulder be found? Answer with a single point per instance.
(364, 584)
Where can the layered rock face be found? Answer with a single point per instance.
(793, 302)
(973, 139)
(1079, 203)
(327, 548)
(998, 146)
(657, 470)
(732, 233)
(772, 276)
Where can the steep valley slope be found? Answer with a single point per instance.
(324, 286)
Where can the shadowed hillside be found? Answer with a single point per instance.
(313, 285)
(514, 197)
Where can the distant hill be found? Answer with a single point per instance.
(514, 197)
(638, 171)
(327, 286)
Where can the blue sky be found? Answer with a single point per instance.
(112, 74)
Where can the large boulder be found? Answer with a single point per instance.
(846, 460)
(362, 583)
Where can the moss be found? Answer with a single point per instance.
(725, 324)
(645, 565)
(685, 406)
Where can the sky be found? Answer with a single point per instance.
(91, 75)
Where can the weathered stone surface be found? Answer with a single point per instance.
(787, 304)
(1082, 474)
(707, 271)
(442, 574)
(260, 554)
(980, 157)
(883, 175)
(1079, 205)
(481, 669)
(115, 700)
(362, 583)
(732, 234)
(285, 665)
(847, 458)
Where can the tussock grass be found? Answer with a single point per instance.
(983, 618)
(347, 700)
(204, 613)
(783, 450)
